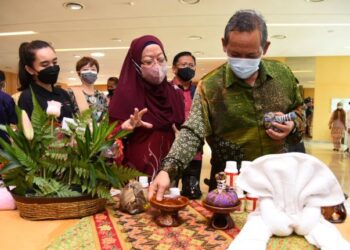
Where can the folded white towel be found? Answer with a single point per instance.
(291, 188)
(6, 200)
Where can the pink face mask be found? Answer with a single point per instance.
(154, 74)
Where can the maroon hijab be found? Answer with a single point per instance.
(164, 103)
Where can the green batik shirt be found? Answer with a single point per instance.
(226, 110)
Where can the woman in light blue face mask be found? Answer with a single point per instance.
(85, 96)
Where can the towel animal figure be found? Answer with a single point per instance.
(6, 200)
(292, 188)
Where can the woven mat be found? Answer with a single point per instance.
(117, 230)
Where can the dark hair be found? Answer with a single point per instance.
(27, 57)
(246, 21)
(2, 76)
(87, 61)
(114, 79)
(181, 54)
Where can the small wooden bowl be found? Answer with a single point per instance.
(169, 208)
(221, 218)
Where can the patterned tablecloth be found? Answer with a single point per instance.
(118, 230)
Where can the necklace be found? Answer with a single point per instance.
(92, 99)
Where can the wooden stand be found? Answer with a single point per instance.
(221, 218)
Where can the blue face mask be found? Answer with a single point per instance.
(89, 76)
(243, 68)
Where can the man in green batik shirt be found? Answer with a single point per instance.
(230, 103)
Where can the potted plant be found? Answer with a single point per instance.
(57, 167)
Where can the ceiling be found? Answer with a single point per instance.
(311, 29)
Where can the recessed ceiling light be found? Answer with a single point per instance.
(212, 58)
(314, 1)
(18, 33)
(330, 31)
(75, 56)
(87, 49)
(131, 3)
(114, 39)
(73, 6)
(279, 36)
(72, 78)
(72, 72)
(198, 53)
(189, 1)
(195, 37)
(97, 54)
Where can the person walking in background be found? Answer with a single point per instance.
(112, 83)
(309, 113)
(337, 126)
(144, 93)
(184, 68)
(38, 71)
(86, 96)
(348, 129)
(7, 108)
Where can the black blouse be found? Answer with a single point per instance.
(43, 96)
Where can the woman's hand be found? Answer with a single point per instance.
(135, 121)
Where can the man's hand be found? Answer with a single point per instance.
(284, 129)
(159, 185)
(135, 121)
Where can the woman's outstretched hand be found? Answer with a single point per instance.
(135, 121)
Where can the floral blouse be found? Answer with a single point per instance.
(97, 103)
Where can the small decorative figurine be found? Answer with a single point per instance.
(222, 201)
(271, 117)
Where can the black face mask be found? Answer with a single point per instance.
(110, 92)
(49, 75)
(185, 74)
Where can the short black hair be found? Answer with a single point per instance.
(246, 21)
(2, 76)
(181, 54)
(114, 79)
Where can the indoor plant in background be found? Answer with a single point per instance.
(61, 173)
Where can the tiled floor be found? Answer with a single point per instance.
(339, 162)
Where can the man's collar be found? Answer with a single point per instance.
(231, 78)
(176, 82)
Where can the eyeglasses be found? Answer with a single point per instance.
(186, 65)
(149, 61)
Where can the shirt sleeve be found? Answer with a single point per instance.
(11, 111)
(73, 101)
(297, 133)
(25, 102)
(190, 138)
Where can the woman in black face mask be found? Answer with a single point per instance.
(86, 96)
(38, 70)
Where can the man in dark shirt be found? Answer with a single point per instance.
(7, 108)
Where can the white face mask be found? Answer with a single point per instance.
(243, 68)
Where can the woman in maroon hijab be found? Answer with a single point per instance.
(143, 86)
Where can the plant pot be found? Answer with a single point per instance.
(55, 208)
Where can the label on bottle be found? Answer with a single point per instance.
(251, 203)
